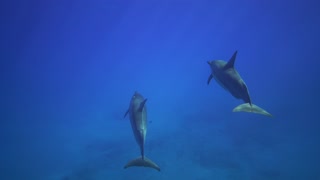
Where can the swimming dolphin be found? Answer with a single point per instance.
(138, 117)
(228, 77)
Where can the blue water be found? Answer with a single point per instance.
(69, 69)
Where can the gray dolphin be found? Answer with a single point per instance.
(228, 77)
(138, 117)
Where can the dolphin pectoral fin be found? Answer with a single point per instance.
(246, 107)
(230, 63)
(142, 162)
(142, 105)
(126, 113)
(209, 78)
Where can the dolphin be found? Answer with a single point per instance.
(227, 76)
(138, 117)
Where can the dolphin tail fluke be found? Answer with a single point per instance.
(142, 161)
(246, 107)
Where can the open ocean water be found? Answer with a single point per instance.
(69, 69)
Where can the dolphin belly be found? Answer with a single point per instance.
(139, 129)
(230, 84)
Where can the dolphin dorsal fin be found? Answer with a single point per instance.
(231, 61)
(142, 105)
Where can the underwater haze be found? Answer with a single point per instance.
(69, 69)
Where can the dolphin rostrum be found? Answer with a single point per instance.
(138, 117)
(228, 77)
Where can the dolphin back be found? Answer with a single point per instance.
(246, 107)
(142, 162)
